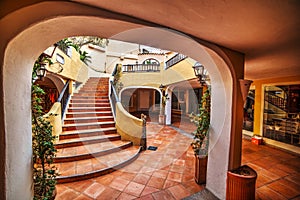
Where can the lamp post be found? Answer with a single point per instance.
(199, 73)
(162, 116)
(41, 62)
(41, 71)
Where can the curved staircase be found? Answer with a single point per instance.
(90, 145)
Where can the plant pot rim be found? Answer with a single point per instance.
(252, 172)
(201, 156)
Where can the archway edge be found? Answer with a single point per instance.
(24, 45)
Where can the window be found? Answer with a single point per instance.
(60, 59)
(151, 61)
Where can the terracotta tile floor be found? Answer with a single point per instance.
(167, 173)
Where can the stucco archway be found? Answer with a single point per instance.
(27, 44)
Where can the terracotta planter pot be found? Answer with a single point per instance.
(200, 169)
(241, 183)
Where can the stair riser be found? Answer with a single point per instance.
(94, 155)
(93, 91)
(78, 121)
(88, 134)
(72, 105)
(76, 144)
(89, 101)
(89, 109)
(70, 115)
(89, 94)
(80, 127)
(90, 97)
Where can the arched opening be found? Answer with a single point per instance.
(142, 100)
(26, 46)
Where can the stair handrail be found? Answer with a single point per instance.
(64, 97)
(113, 97)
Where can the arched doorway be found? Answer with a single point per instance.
(28, 39)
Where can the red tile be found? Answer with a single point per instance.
(285, 188)
(128, 176)
(119, 184)
(267, 193)
(160, 174)
(147, 197)
(156, 182)
(125, 196)
(262, 180)
(169, 183)
(134, 189)
(94, 190)
(105, 180)
(179, 192)
(174, 176)
(67, 195)
(141, 178)
(109, 194)
(163, 195)
(81, 186)
(83, 197)
(149, 190)
(192, 186)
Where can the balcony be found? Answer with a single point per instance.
(152, 67)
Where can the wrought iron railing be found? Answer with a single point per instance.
(64, 98)
(276, 101)
(141, 68)
(174, 60)
(113, 97)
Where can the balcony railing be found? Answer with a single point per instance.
(174, 60)
(141, 68)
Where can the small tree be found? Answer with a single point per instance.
(43, 150)
(202, 121)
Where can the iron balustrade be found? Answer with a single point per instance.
(113, 97)
(174, 60)
(64, 98)
(141, 68)
(276, 101)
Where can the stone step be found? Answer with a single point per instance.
(88, 151)
(84, 126)
(89, 105)
(91, 119)
(88, 114)
(89, 109)
(81, 141)
(87, 133)
(90, 97)
(99, 94)
(90, 168)
(89, 100)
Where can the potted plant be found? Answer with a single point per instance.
(200, 142)
(241, 183)
(43, 149)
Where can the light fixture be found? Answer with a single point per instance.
(161, 87)
(199, 72)
(41, 71)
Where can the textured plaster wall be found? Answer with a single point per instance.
(129, 127)
(73, 68)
